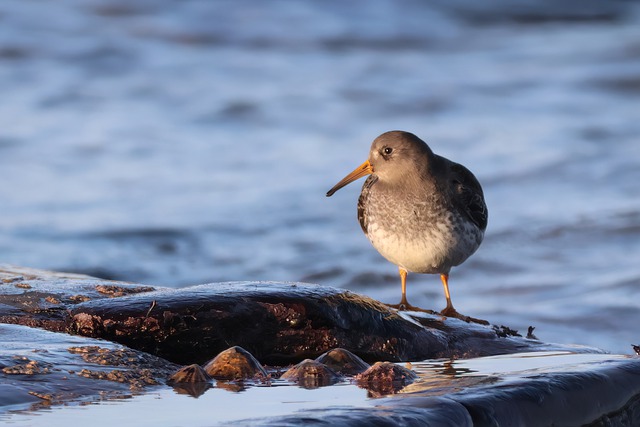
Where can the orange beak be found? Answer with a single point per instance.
(362, 170)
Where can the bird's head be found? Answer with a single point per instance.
(394, 156)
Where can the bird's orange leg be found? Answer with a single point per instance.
(448, 310)
(404, 304)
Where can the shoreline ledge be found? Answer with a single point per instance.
(279, 323)
(49, 323)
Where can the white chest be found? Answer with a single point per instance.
(424, 244)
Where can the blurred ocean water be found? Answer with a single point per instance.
(176, 143)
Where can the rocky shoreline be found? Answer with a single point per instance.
(85, 338)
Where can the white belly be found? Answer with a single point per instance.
(432, 250)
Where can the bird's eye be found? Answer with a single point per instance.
(387, 150)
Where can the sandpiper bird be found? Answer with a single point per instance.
(421, 211)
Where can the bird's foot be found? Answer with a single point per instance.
(449, 311)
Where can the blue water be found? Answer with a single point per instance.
(177, 143)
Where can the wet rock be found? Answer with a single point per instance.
(311, 374)
(343, 361)
(192, 380)
(26, 366)
(113, 291)
(440, 412)
(604, 393)
(41, 298)
(554, 388)
(22, 285)
(279, 323)
(87, 325)
(235, 363)
(385, 378)
(190, 374)
(42, 368)
(282, 323)
(136, 379)
(104, 355)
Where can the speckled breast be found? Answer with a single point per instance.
(421, 236)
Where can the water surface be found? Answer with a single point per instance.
(176, 143)
(268, 404)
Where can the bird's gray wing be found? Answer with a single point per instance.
(469, 195)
